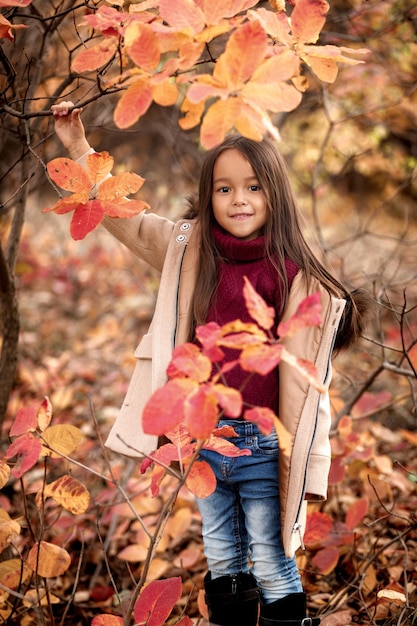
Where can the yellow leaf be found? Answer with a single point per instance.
(394, 596)
(48, 560)
(12, 573)
(4, 473)
(62, 438)
(284, 437)
(165, 93)
(9, 530)
(193, 113)
(68, 492)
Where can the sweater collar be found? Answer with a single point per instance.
(236, 250)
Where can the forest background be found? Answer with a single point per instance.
(73, 312)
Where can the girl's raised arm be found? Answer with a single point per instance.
(70, 129)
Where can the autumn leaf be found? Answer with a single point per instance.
(142, 46)
(93, 58)
(261, 358)
(356, 512)
(201, 412)
(107, 620)
(308, 314)
(4, 473)
(9, 530)
(187, 360)
(60, 439)
(68, 492)
(6, 27)
(208, 335)
(318, 527)
(24, 422)
(165, 408)
(157, 600)
(325, 560)
(307, 19)
(201, 480)
(48, 560)
(263, 417)
(259, 311)
(90, 203)
(13, 573)
(27, 448)
(44, 414)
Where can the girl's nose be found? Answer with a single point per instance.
(239, 199)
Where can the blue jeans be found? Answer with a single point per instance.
(241, 519)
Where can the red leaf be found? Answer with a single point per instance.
(201, 480)
(27, 448)
(208, 336)
(24, 421)
(356, 513)
(164, 410)
(337, 471)
(188, 361)
(307, 314)
(318, 527)
(157, 600)
(263, 314)
(229, 399)
(95, 57)
(223, 446)
(263, 417)
(86, 218)
(201, 412)
(326, 560)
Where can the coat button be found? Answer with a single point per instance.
(180, 238)
(185, 226)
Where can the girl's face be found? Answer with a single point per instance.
(239, 204)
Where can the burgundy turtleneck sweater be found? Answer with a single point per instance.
(239, 258)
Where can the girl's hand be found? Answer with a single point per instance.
(70, 129)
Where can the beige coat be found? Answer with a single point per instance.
(172, 248)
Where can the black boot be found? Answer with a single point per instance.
(289, 611)
(232, 600)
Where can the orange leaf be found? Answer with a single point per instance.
(9, 530)
(337, 471)
(95, 57)
(142, 46)
(157, 600)
(120, 186)
(99, 165)
(182, 14)
(107, 620)
(6, 27)
(63, 438)
(165, 408)
(356, 513)
(48, 560)
(201, 480)
(201, 412)
(245, 50)
(13, 573)
(259, 311)
(124, 207)
(69, 175)
(165, 93)
(260, 358)
(305, 368)
(276, 24)
(134, 102)
(218, 120)
(318, 527)
(307, 19)
(188, 361)
(4, 473)
(68, 492)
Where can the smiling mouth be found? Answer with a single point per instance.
(241, 216)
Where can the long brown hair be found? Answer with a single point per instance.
(283, 235)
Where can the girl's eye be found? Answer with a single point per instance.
(255, 188)
(224, 189)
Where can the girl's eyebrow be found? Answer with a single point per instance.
(225, 179)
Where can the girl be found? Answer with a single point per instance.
(244, 222)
